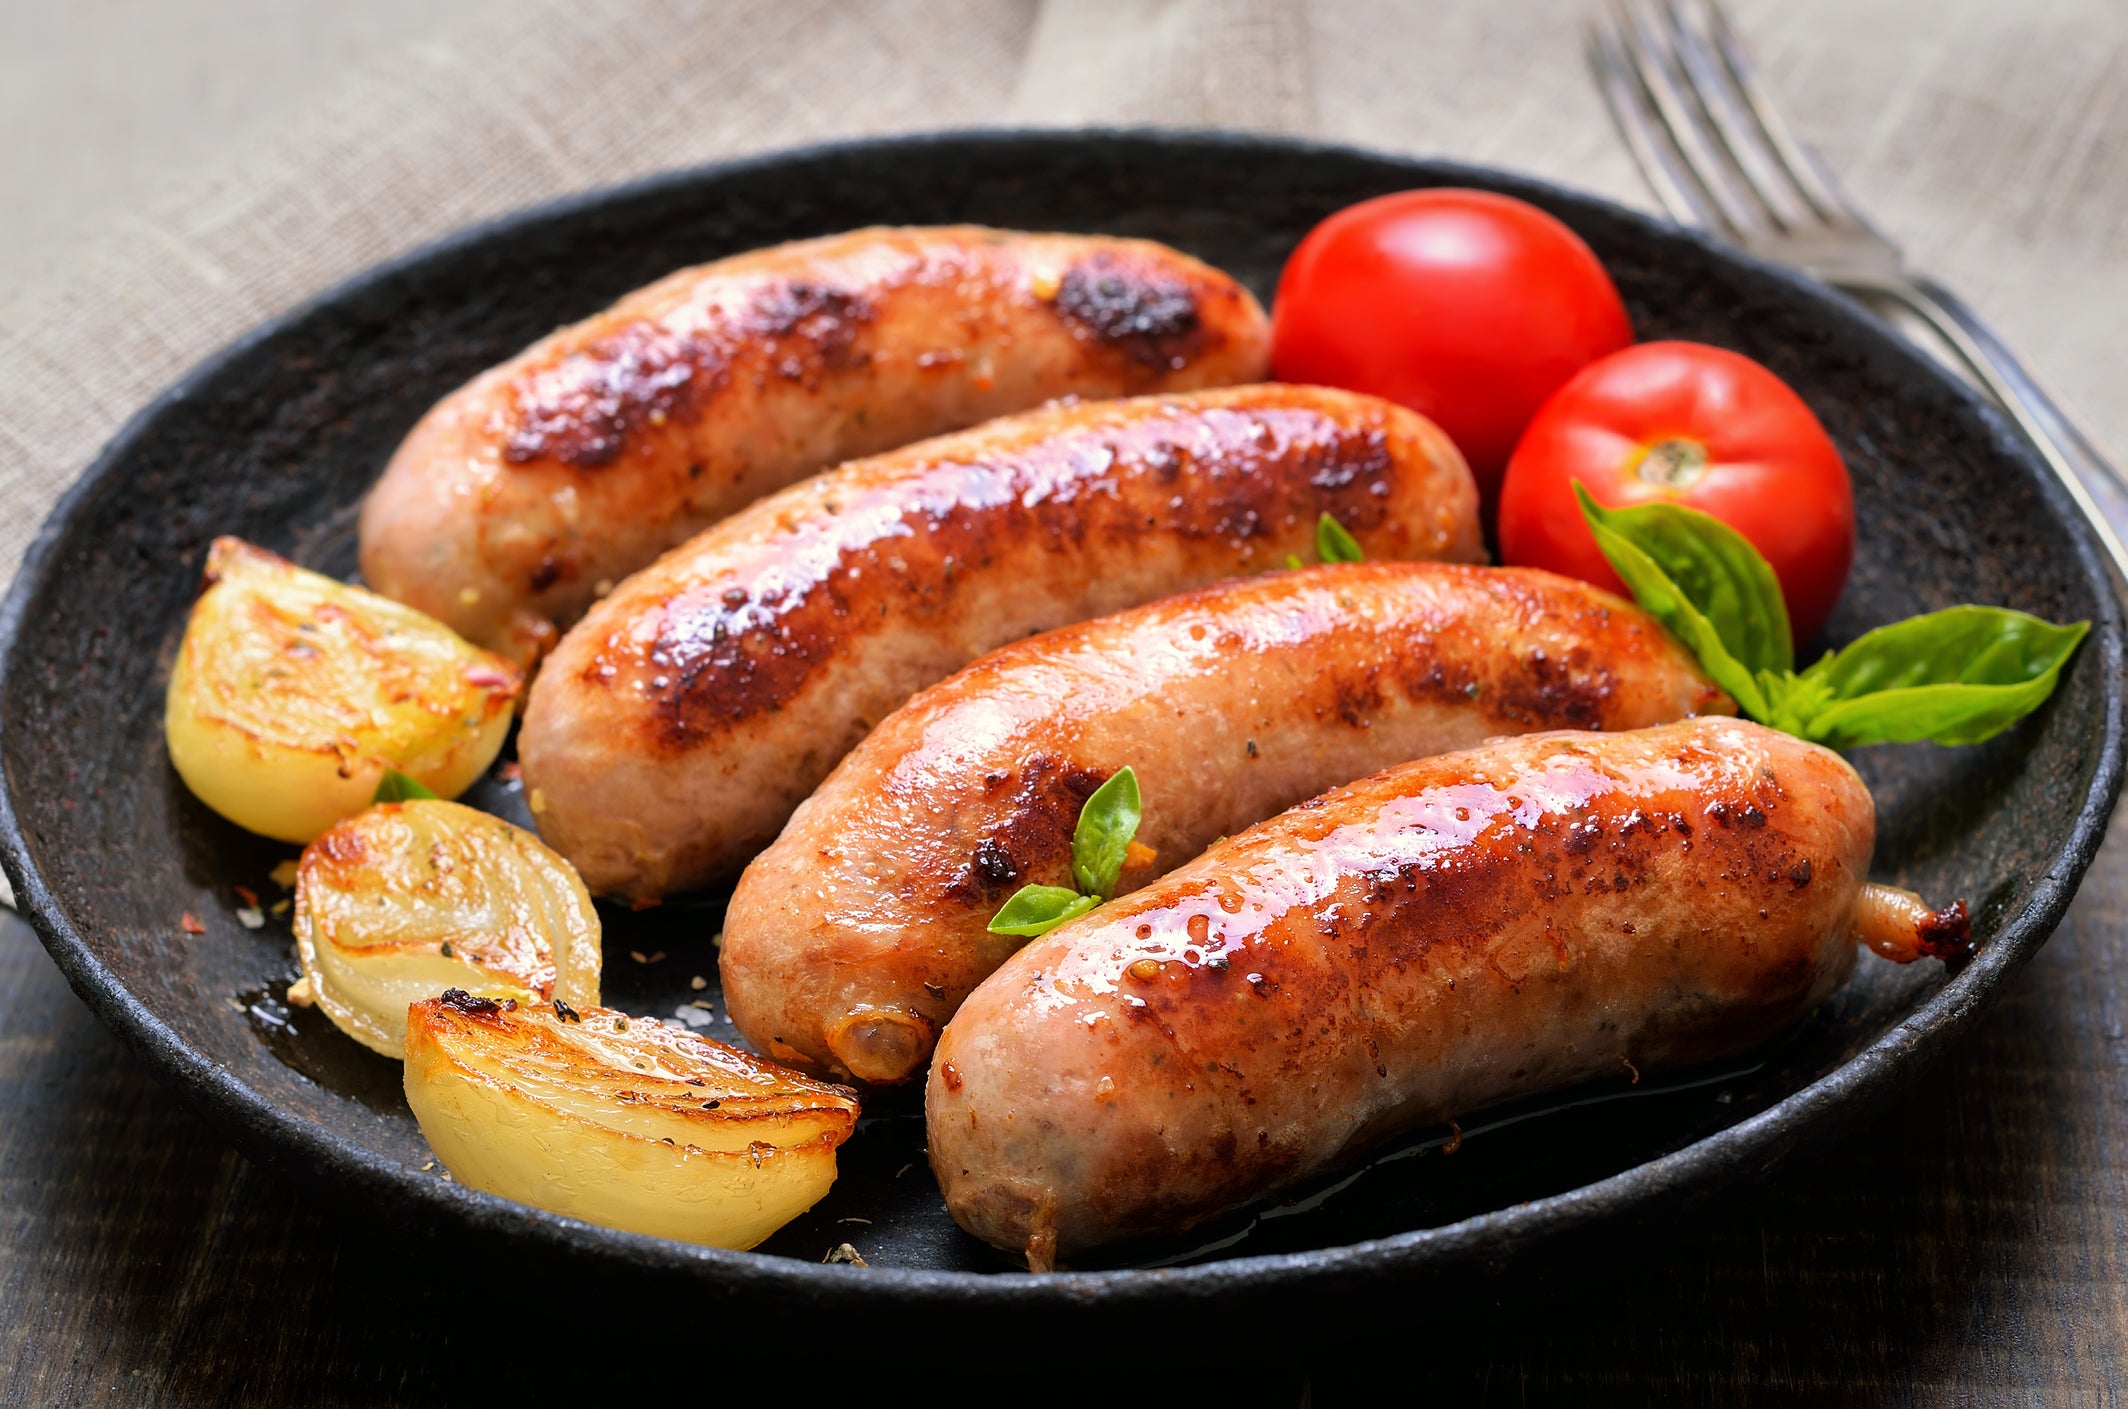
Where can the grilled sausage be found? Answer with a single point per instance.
(671, 734)
(1445, 935)
(590, 453)
(852, 939)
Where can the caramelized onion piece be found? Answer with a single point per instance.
(293, 693)
(407, 899)
(620, 1121)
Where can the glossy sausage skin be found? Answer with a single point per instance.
(851, 941)
(672, 733)
(1440, 937)
(583, 458)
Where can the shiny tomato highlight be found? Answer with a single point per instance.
(1684, 423)
(1469, 307)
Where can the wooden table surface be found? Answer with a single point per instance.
(1967, 1246)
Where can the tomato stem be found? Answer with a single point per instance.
(1673, 464)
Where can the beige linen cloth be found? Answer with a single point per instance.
(1991, 139)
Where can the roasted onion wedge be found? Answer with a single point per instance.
(621, 1122)
(293, 694)
(407, 899)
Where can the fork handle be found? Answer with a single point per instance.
(2003, 363)
(2077, 464)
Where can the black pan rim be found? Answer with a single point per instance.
(1742, 1151)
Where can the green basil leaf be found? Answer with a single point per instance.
(1037, 910)
(1942, 714)
(1965, 645)
(1957, 676)
(1715, 568)
(1334, 543)
(395, 786)
(1663, 599)
(1107, 823)
(1293, 561)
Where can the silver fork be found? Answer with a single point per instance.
(1720, 157)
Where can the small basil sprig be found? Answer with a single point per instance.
(1037, 910)
(395, 786)
(1958, 676)
(1102, 839)
(1107, 823)
(1334, 542)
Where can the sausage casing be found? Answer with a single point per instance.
(671, 734)
(1440, 937)
(852, 939)
(590, 453)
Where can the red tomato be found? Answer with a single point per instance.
(1683, 423)
(1468, 307)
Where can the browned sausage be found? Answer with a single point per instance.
(669, 737)
(850, 941)
(583, 458)
(1442, 936)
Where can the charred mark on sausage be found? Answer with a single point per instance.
(1555, 693)
(1147, 314)
(1357, 700)
(812, 327)
(993, 863)
(1031, 834)
(714, 663)
(582, 409)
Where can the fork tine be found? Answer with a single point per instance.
(1803, 168)
(1714, 89)
(1709, 161)
(1659, 162)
